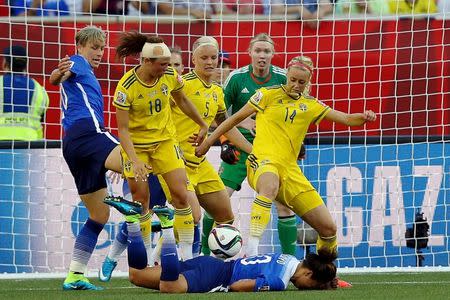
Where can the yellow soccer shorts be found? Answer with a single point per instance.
(203, 179)
(295, 191)
(163, 157)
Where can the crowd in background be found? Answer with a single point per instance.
(204, 9)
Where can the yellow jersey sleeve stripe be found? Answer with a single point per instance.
(255, 105)
(322, 115)
(130, 78)
(121, 106)
(129, 83)
(221, 111)
(189, 75)
(178, 89)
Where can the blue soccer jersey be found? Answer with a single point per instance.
(82, 95)
(272, 271)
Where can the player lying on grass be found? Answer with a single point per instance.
(270, 272)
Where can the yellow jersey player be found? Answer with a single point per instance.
(283, 116)
(208, 99)
(146, 130)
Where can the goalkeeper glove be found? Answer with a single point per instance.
(228, 152)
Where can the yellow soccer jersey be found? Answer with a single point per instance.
(282, 122)
(148, 105)
(209, 101)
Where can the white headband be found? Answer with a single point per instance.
(206, 41)
(155, 50)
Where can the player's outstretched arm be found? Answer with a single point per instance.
(229, 123)
(61, 73)
(245, 285)
(189, 109)
(356, 119)
(234, 135)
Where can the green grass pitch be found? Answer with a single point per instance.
(409, 286)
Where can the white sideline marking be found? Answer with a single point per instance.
(60, 289)
(398, 282)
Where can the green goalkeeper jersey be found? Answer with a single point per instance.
(242, 84)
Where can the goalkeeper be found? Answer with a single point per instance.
(270, 272)
(283, 116)
(238, 88)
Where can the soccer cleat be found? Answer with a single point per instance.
(79, 282)
(165, 215)
(343, 284)
(125, 207)
(108, 266)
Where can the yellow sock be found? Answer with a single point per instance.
(184, 224)
(260, 215)
(329, 243)
(146, 228)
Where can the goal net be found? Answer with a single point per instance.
(381, 182)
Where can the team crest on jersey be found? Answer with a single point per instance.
(121, 98)
(127, 166)
(303, 107)
(214, 95)
(164, 89)
(257, 97)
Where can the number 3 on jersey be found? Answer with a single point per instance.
(154, 106)
(254, 260)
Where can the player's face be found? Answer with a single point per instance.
(305, 283)
(158, 66)
(226, 70)
(261, 54)
(297, 80)
(302, 279)
(176, 62)
(205, 60)
(93, 52)
(221, 73)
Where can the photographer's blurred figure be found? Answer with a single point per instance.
(23, 101)
(223, 68)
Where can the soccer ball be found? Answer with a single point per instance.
(225, 241)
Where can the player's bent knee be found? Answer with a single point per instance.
(180, 199)
(100, 216)
(137, 277)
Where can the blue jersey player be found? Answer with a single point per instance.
(270, 272)
(88, 148)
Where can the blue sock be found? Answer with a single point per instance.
(137, 254)
(122, 235)
(84, 245)
(119, 244)
(196, 244)
(169, 257)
